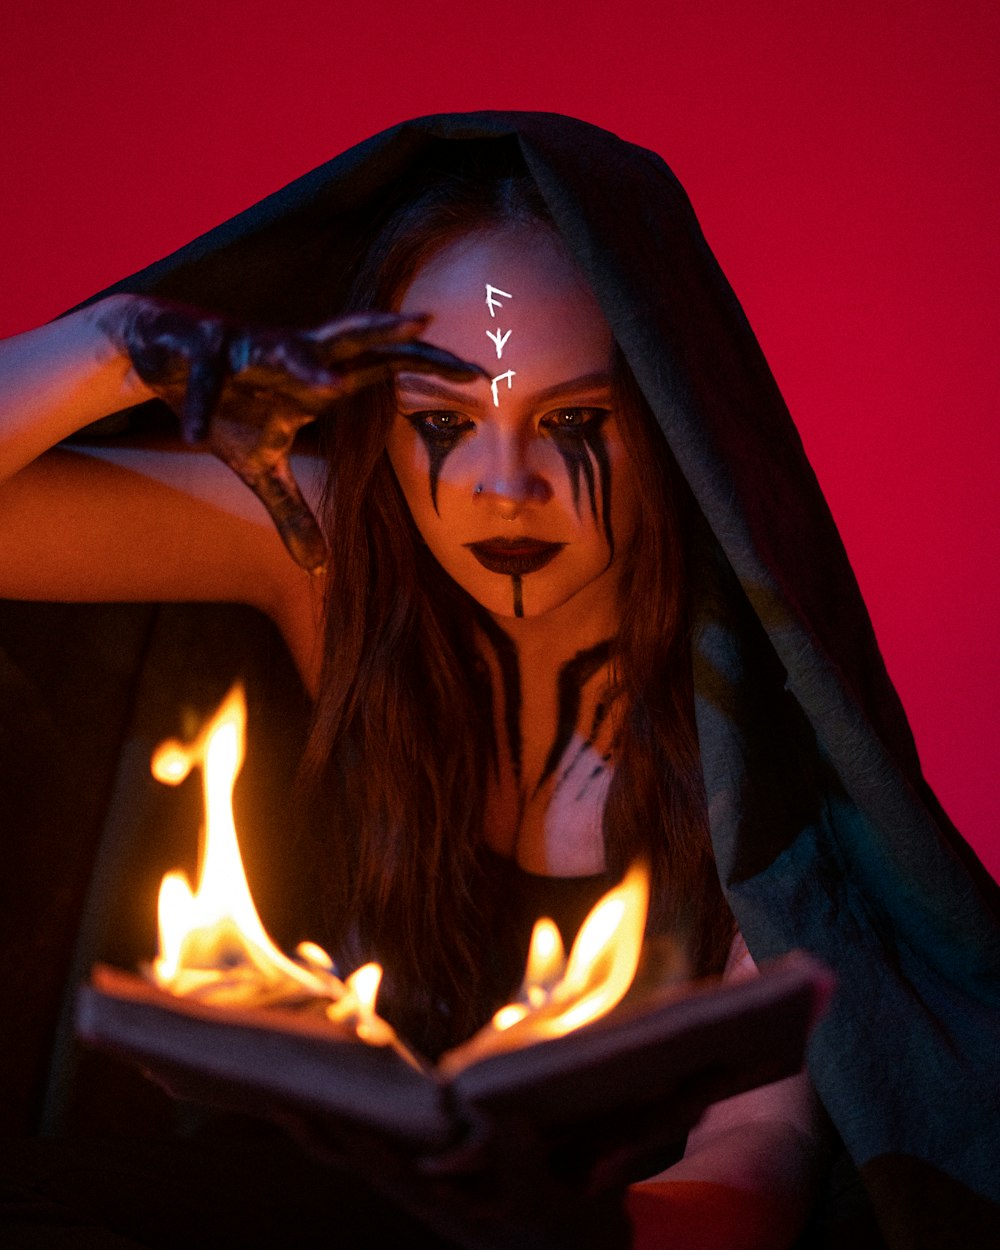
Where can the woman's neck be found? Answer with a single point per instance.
(546, 643)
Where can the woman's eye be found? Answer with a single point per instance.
(443, 423)
(573, 420)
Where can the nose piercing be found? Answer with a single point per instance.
(507, 509)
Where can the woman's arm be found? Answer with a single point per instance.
(87, 524)
(102, 523)
(748, 1178)
(61, 377)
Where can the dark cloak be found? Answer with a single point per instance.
(826, 835)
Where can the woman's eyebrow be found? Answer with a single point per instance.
(587, 382)
(430, 388)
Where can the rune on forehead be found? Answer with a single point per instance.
(494, 303)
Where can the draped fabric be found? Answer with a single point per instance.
(826, 835)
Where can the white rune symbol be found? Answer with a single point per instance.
(498, 337)
(509, 375)
(492, 303)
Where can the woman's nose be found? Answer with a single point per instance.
(510, 482)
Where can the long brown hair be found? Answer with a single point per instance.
(399, 740)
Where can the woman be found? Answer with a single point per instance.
(521, 548)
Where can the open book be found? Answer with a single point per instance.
(664, 1057)
(531, 1146)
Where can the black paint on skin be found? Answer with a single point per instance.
(595, 772)
(440, 444)
(510, 677)
(581, 447)
(573, 676)
(518, 601)
(600, 716)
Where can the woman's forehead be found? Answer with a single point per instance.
(511, 298)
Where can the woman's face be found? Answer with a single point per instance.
(519, 483)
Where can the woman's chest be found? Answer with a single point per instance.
(552, 766)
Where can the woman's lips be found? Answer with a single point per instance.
(514, 555)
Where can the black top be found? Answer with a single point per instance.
(529, 895)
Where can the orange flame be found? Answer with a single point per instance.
(213, 945)
(560, 995)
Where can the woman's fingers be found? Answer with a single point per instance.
(295, 382)
(347, 336)
(279, 493)
(365, 358)
(254, 440)
(191, 358)
(205, 380)
(383, 360)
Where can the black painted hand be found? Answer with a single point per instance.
(245, 391)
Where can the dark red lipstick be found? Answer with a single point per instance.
(514, 556)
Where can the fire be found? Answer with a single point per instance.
(214, 948)
(559, 995)
(213, 945)
(358, 1006)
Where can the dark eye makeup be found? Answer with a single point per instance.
(574, 420)
(438, 423)
(440, 431)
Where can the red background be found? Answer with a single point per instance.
(843, 159)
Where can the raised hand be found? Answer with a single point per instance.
(244, 391)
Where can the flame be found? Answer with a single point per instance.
(560, 995)
(358, 1005)
(212, 943)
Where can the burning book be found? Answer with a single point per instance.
(598, 1081)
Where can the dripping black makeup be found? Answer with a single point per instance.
(440, 432)
(578, 438)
